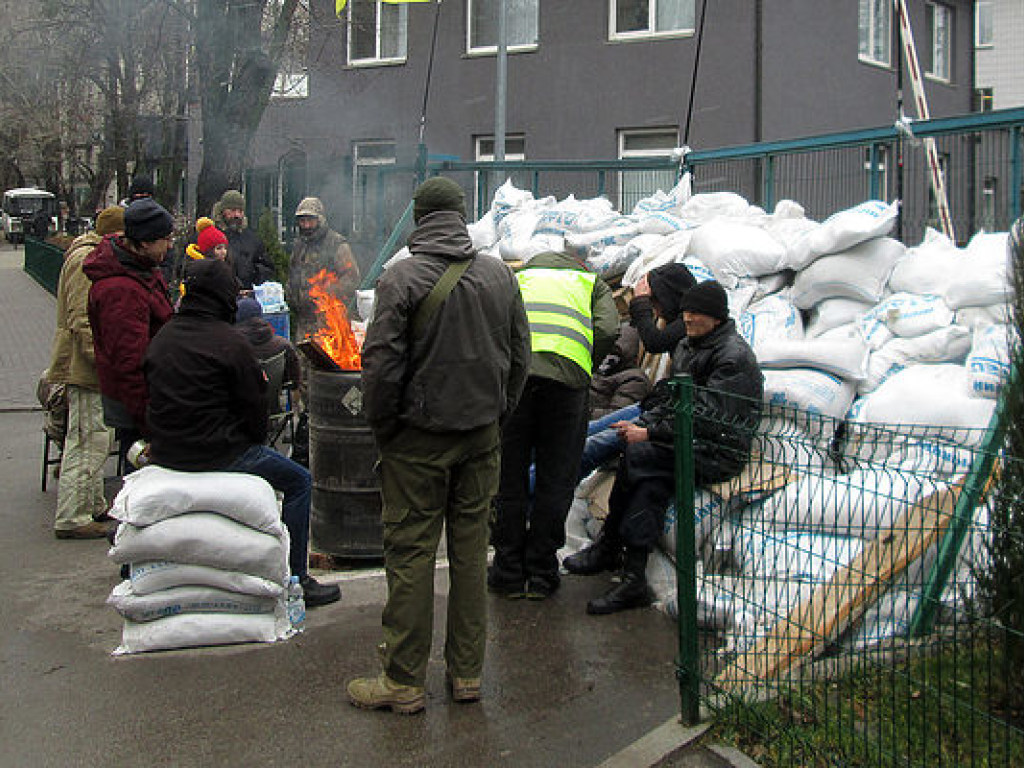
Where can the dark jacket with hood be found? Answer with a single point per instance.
(667, 283)
(127, 306)
(728, 388)
(468, 368)
(207, 391)
(266, 344)
(246, 254)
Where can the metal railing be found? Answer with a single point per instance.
(836, 584)
(982, 156)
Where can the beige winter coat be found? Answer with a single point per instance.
(73, 360)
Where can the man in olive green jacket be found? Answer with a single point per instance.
(73, 363)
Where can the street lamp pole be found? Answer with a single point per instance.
(502, 79)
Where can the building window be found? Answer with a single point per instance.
(940, 27)
(292, 81)
(515, 148)
(377, 32)
(650, 18)
(521, 25)
(634, 185)
(983, 24)
(367, 159)
(983, 98)
(874, 27)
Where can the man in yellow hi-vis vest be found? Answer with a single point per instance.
(573, 324)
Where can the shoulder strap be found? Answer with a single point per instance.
(437, 295)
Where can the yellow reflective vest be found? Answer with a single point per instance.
(558, 305)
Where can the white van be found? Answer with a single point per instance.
(21, 205)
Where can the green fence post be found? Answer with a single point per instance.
(688, 665)
(949, 547)
(387, 250)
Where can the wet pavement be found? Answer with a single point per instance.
(560, 687)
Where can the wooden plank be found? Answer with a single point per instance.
(834, 606)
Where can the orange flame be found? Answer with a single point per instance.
(336, 337)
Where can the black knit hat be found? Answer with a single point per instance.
(668, 283)
(146, 220)
(438, 194)
(707, 298)
(141, 186)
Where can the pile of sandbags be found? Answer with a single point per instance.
(207, 559)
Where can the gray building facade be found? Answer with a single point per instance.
(588, 79)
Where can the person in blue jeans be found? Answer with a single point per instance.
(207, 407)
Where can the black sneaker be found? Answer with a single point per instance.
(315, 594)
(513, 589)
(540, 588)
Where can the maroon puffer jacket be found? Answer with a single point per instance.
(127, 306)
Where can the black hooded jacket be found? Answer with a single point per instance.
(206, 390)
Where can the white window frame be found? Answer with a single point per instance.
(292, 80)
(652, 22)
(984, 24)
(291, 85)
(359, 216)
(879, 40)
(377, 59)
(492, 50)
(622, 138)
(941, 65)
(487, 157)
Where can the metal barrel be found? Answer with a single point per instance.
(345, 519)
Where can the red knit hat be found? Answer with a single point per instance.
(209, 236)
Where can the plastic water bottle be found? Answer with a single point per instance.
(295, 605)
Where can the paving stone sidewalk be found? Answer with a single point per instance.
(26, 331)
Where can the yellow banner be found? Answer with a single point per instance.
(339, 5)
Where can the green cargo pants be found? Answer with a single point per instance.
(429, 479)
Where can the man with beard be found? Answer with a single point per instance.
(318, 247)
(246, 254)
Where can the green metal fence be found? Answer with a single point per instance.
(982, 156)
(831, 614)
(43, 262)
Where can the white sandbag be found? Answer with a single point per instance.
(949, 344)
(988, 363)
(768, 285)
(773, 317)
(613, 260)
(670, 250)
(670, 202)
(572, 215)
(733, 249)
(985, 278)
(483, 232)
(701, 272)
(831, 313)
(785, 442)
(192, 599)
(620, 232)
(158, 575)
(156, 493)
(511, 249)
(708, 511)
(741, 296)
(863, 503)
(860, 273)
(789, 226)
(364, 303)
(706, 206)
(845, 358)
(793, 555)
(193, 630)
(907, 315)
(994, 314)
(926, 395)
(930, 267)
(203, 538)
(400, 255)
(508, 198)
(519, 225)
(931, 457)
(806, 389)
(844, 230)
(660, 223)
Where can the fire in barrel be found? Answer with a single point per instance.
(346, 507)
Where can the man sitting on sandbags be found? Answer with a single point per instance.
(207, 407)
(728, 388)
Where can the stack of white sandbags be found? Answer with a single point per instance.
(208, 560)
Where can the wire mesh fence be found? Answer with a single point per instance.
(837, 594)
